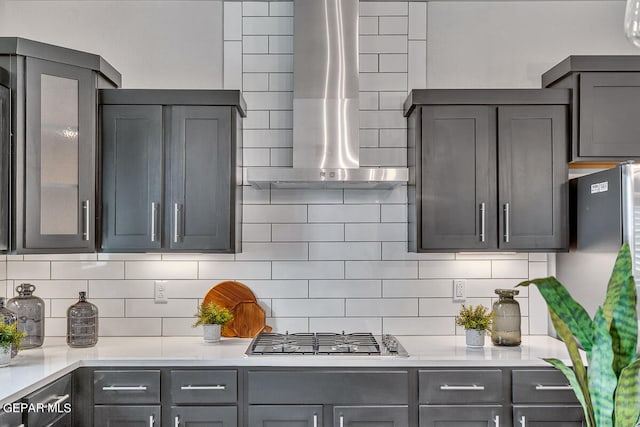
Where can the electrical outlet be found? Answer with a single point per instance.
(459, 290)
(160, 294)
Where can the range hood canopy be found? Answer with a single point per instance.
(326, 148)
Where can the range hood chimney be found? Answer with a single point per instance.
(326, 110)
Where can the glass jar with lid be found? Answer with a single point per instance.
(506, 319)
(82, 323)
(30, 312)
(8, 317)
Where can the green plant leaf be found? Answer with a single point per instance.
(602, 378)
(627, 407)
(578, 367)
(620, 311)
(572, 314)
(573, 381)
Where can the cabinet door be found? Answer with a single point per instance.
(203, 416)
(126, 416)
(379, 416)
(289, 415)
(10, 419)
(548, 416)
(131, 177)
(5, 142)
(609, 115)
(461, 416)
(200, 190)
(59, 165)
(533, 177)
(458, 178)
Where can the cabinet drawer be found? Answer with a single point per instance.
(460, 386)
(10, 419)
(348, 387)
(189, 386)
(126, 416)
(126, 387)
(541, 386)
(56, 397)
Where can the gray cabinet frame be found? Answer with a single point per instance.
(5, 144)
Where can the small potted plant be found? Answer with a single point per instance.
(477, 323)
(10, 337)
(211, 316)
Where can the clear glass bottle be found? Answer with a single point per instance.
(30, 312)
(82, 323)
(8, 318)
(506, 320)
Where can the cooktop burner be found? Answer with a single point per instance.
(325, 343)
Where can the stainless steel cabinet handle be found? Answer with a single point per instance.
(87, 213)
(176, 213)
(542, 387)
(20, 425)
(523, 421)
(496, 420)
(177, 422)
(152, 421)
(59, 400)
(315, 420)
(482, 221)
(473, 387)
(154, 214)
(204, 387)
(506, 222)
(341, 420)
(124, 388)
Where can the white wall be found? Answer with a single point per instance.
(510, 44)
(154, 44)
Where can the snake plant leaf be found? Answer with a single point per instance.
(573, 314)
(579, 371)
(620, 310)
(573, 381)
(602, 379)
(627, 410)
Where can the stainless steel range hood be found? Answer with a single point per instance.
(326, 149)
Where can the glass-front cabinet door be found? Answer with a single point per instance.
(59, 157)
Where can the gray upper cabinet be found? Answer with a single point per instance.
(53, 131)
(487, 170)
(5, 143)
(170, 170)
(606, 113)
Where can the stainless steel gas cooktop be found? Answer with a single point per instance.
(325, 344)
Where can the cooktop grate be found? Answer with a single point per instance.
(320, 343)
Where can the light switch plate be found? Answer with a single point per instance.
(160, 292)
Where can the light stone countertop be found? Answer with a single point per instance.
(33, 368)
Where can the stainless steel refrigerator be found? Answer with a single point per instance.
(605, 212)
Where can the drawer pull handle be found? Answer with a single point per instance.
(204, 387)
(59, 400)
(496, 420)
(341, 420)
(482, 221)
(473, 387)
(315, 420)
(542, 387)
(523, 421)
(124, 388)
(177, 421)
(152, 421)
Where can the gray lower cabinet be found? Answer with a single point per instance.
(5, 143)
(56, 398)
(605, 113)
(54, 128)
(170, 171)
(379, 416)
(204, 416)
(457, 416)
(11, 419)
(548, 416)
(127, 416)
(488, 170)
(289, 415)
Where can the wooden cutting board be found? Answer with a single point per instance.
(248, 316)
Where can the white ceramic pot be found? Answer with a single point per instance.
(211, 333)
(5, 356)
(475, 338)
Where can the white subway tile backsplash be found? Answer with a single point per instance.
(106, 307)
(173, 308)
(26, 270)
(197, 257)
(368, 63)
(256, 157)
(180, 327)
(381, 270)
(369, 100)
(393, 157)
(441, 307)
(267, 26)
(289, 324)
(393, 63)
(491, 256)
(385, 232)
(255, 8)
(388, 119)
(369, 137)
(265, 289)
(234, 270)
(424, 288)
(60, 257)
(307, 307)
(345, 289)
(392, 100)
(393, 138)
(255, 82)
(417, 21)
(399, 251)
(389, 307)
(307, 270)
(267, 63)
(344, 213)
(383, 8)
(281, 82)
(59, 288)
(254, 196)
(57, 327)
(537, 270)
(457, 269)
(254, 138)
(281, 8)
(396, 195)
(368, 25)
(394, 25)
(419, 326)
(120, 289)
(344, 251)
(346, 324)
(87, 270)
(274, 213)
(161, 270)
(384, 82)
(273, 251)
(538, 256)
(417, 64)
(280, 44)
(269, 100)
(307, 232)
(282, 157)
(502, 269)
(232, 20)
(281, 119)
(394, 213)
(256, 232)
(129, 257)
(121, 327)
(481, 288)
(232, 65)
(383, 44)
(290, 196)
